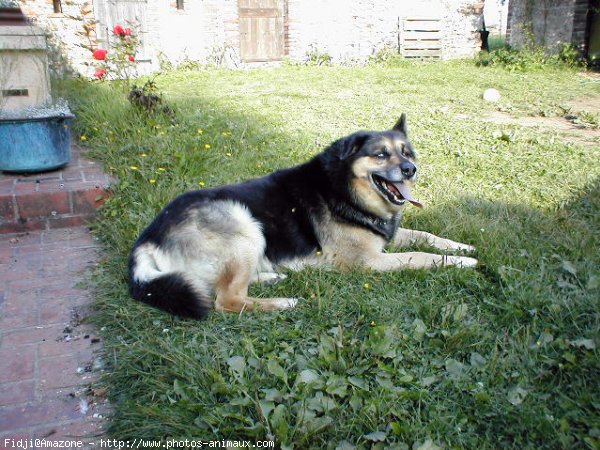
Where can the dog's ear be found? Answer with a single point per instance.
(401, 125)
(349, 145)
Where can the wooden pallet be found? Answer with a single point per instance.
(421, 38)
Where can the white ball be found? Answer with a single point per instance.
(491, 95)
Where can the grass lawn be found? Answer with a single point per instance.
(505, 356)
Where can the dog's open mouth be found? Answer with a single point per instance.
(396, 193)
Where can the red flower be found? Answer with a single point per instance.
(127, 31)
(131, 58)
(100, 73)
(118, 30)
(100, 54)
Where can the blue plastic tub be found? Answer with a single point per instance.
(35, 144)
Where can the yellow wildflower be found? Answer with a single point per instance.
(161, 169)
(201, 183)
(152, 180)
(134, 167)
(200, 131)
(206, 146)
(83, 137)
(367, 285)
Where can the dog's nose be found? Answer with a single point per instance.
(408, 169)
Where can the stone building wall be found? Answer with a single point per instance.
(63, 33)
(549, 22)
(208, 30)
(348, 29)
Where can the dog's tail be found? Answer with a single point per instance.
(169, 291)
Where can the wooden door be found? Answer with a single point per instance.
(122, 12)
(261, 30)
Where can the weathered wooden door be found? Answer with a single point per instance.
(122, 12)
(261, 30)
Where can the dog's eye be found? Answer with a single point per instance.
(382, 155)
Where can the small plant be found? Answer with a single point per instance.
(512, 59)
(388, 56)
(146, 97)
(569, 55)
(220, 55)
(316, 57)
(149, 99)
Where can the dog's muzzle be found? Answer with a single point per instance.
(392, 183)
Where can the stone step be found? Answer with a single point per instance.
(67, 197)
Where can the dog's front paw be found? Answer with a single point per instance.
(461, 261)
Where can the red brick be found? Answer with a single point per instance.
(37, 205)
(87, 430)
(19, 239)
(55, 236)
(62, 347)
(85, 202)
(7, 186)
(95, 175)
(20, 361)
(59, 372)
(69, 222)
(34, 335)
(20, 227)
(86, 241)
(55, 310)
(19, 312)
(26, 261)
(51, 186)
(19, 392)
(27, 434)
(24, 188)
(7, 211)
(73, 175)
(59, 288)
(32, 414)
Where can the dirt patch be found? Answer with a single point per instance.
(565, 126)
(590, 104)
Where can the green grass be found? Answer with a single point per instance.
(501, 357)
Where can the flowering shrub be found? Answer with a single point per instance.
(119, 60)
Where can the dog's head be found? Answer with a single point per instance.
(381, 168)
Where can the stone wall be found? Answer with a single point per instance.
(355, 29)
(64, 36)
(208, 30)
(549, 23)
(203, 31)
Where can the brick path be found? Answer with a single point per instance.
(47, 356)
(63, 198)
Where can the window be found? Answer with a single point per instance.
(57, 6)
(179, 4)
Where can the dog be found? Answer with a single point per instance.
(338, 210)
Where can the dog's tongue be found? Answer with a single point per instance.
(405, 191)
